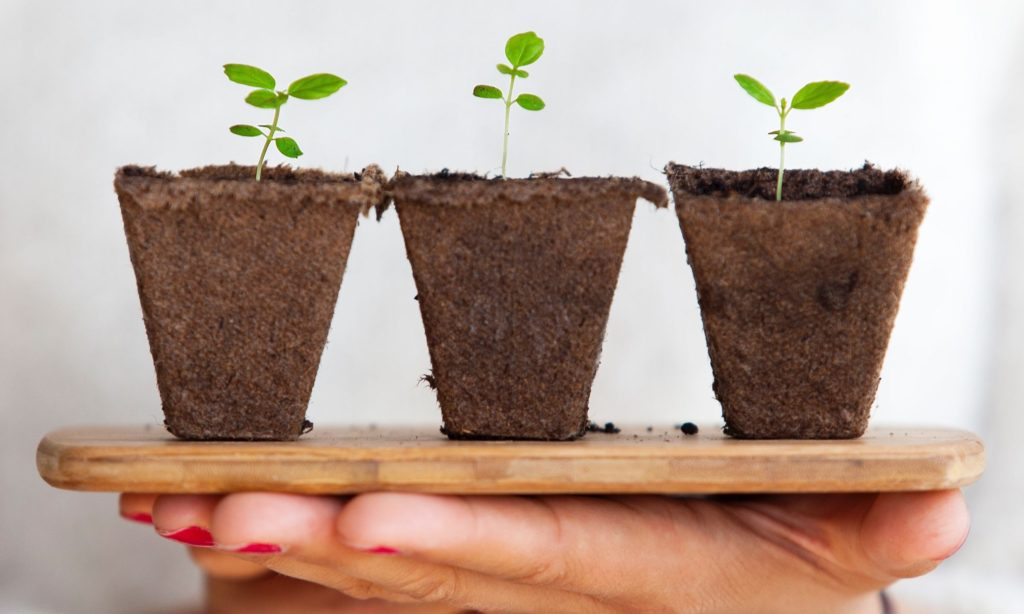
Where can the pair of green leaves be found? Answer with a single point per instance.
(285, 144)
(530, 102)
(521, 50)
(811, 96)
(313, 87)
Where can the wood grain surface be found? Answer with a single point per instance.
(359, 459)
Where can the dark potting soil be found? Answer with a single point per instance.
(514, 281)
(238, 282)
(798, 297)
(797, 184)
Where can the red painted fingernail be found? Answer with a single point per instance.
(142, 517)
(193, 536)
(259, 549)
(381, 550)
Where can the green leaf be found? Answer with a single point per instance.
(819, 94)
(507, 70)
(268, 127)
(288, 146)
(788, 137)
(756, 89)
(487, 91)
(266, 99)
(313, 87)
(530, 102)
(523, 49)
(245, 130)
(249, 75)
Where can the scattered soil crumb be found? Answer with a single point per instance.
(689, 428)
(608, 428)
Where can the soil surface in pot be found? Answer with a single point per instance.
(798, 297)
(515, 279)
(238, 282)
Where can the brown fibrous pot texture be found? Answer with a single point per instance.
(515, 280)
(797, 297)
(238, 282)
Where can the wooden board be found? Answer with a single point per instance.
(663, 460)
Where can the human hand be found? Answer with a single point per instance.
(793, 553)
(234, 585)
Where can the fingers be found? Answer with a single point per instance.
(909, 534)
(136, 507)
(305, 530)
(186, 519)
(596, 546)
(225, 566)
(274, 519)
(292, 535)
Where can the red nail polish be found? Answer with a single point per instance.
(259, 549)
(142, 517)
(381, 550)
(193, 536)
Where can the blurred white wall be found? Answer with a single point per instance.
(629, 86)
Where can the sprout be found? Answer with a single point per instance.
(521, 50)
(313, 87)
(810, 96)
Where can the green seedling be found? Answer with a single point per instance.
(313, 87)
(521, 50)
(810, 96)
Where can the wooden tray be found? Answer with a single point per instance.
(637, 460)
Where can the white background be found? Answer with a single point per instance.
(629, 87)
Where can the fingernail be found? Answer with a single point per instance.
(381, 550)
(193, 536)
(257, 549)
(141, 517)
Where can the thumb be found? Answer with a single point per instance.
(909, 534)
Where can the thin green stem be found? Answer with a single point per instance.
(782, 151)
(782, 169)
(504, 144)
(266, 146)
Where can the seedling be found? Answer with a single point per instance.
(521, 50)
(313, 87)
(810, 96)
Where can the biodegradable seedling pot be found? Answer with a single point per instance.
(798, 297)
(238, 282)
(515, 280)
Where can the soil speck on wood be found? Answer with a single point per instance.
(609, 428)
